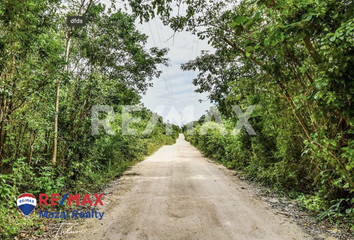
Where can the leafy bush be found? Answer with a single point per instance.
(277, 163)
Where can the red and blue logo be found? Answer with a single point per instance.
(26, 202)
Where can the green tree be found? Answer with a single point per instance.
(294, 59)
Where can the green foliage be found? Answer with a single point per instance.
(278, 162)
(14, 225)
(107, 64)
(294, 59)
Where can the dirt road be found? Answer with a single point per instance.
(177, 194)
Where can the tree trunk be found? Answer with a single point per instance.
(55, 139)
(31, 147)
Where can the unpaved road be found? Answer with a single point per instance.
(177, 194)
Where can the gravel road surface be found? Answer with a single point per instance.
(179, 194)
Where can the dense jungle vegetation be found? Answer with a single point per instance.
(50, 77)
(294, 60)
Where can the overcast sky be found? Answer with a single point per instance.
(174, 88)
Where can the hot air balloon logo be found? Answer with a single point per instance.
(26, 202)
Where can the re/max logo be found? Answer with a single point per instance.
(43, 198)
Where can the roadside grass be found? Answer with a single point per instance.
(14, 225)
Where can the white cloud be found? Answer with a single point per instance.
(183, 47)
(174, 83)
